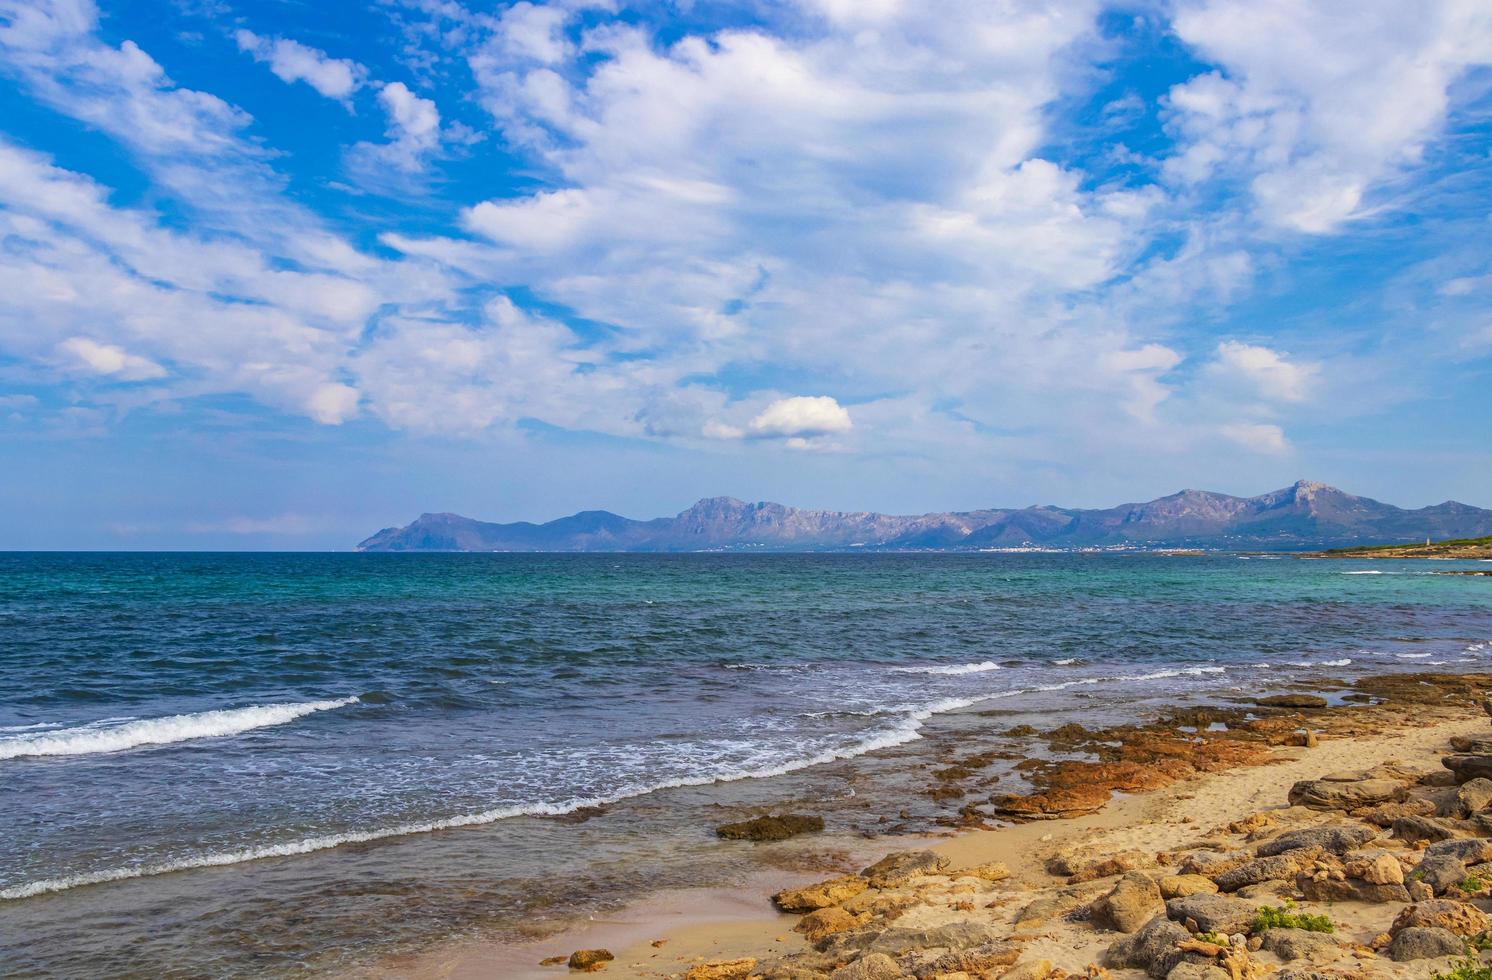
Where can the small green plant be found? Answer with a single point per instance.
(1287, 917)
(1216, 939)
(1481, 941)
(1471, 884)
(1468, 969)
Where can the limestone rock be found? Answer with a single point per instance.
(993, 871)
(1471, 851)
(1274, 868)
(903, 866)
(771, 828)
(1292, 701)
(590, 959)
(722, 970)
(1335, 840)
(1348, 890)
(1414, 829)
(1057, 804)
(1441, 872)
(820, 896)
(875, 966)
(1180, 886)
(983, 960)
(1376, 867)
(1425, 942)
(1147, 948)
(1188, 970)
(826, 922)
(1441, 913)
(1029, 970)
(1469, 767)
(1213, 913)
(1330, 794)
(1294, 944)
(1473, 796)
(1132, 902)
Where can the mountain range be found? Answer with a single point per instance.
(1301, 517)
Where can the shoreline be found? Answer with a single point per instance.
(722, 923)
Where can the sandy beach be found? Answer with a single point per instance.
(1035, 900)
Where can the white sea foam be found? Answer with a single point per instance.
(1365, 572)
(978, 668)
(1343, 662)
(30, 728)
(1065, 662)
(907, 728)
(1413, 656)
(91, 739)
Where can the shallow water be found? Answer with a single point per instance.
(252, 764)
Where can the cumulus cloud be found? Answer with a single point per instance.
(801, 416)
(291, 61)
(1268, 371)
(875, 194)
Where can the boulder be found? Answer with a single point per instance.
(1468, 767)
(1148, 948)
(1473, 796)
(770, 828)
(1476, 744)
(1441, 872)
(1330, 794)
(875, 966)
(1335, 840)
(1274, 868)
(1133, 901)
(1192, 970)
(1441, 913)
(590, 959)
(1376, 867)
(1470, 851)
(1425, 942)
(1221, 914)
(722, 970)
(820, 896)
(1348, 890)
(903, 866)
(1385, 814)
(1414, 829)
(1180, 886)
(826, 922)
(1294, 944)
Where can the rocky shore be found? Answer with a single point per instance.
(1292, 837)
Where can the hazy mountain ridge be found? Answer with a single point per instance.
(1303, 516)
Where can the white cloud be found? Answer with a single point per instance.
(291, 61)
(1314, 107)
(802, 416)
(1268, 371)
(107, 359)
(1259, 437)
(414, 126)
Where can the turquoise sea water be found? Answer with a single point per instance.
(233, 764)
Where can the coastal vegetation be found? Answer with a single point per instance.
(1454, 548)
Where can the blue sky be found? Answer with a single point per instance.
(279, 274)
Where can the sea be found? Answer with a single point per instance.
(293, 764)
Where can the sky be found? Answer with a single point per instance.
(277, 274)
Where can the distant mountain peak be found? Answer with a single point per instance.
(1306, 515)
